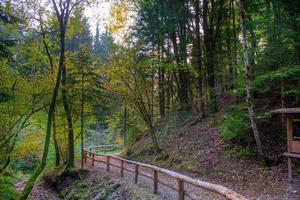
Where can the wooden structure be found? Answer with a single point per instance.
(292, 117)
(124, 165)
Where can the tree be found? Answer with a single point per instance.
(63, 12)
(130, 79)
(198, 60)
(249, 81)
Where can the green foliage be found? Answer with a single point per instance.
(7, 191)
(26, 165)
(242, 152)
(235, 123)
(288, 73)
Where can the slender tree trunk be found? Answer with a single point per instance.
(82, 117)
(5, 164)
(199, 67)
(10, 151)
(230, 49)
(153, 137)
(125, 124)
(235, 40)
(56, 146)
(29, 185)
(248, 81)
(161, 81)
(210, 55)
(71, 149)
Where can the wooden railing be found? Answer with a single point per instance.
(182, 180)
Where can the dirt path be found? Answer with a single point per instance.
(164, 191)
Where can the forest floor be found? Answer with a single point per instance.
(90, 184)
(196, 149)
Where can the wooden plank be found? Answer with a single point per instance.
(114, 165)
(180, 189)
(129, 170)
(155, 181)
(292, 155)
(167, 185)
(100, 161)
(145, 175)
(295, 146)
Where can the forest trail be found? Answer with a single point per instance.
(164, 191)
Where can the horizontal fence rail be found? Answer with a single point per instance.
(181, 179)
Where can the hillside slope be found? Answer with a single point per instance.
(198, 150)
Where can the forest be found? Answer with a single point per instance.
(185, 88)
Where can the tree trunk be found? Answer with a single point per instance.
(161, 91)
(248, 80)
(198, 58)
(56, 146)
(125, 124)
(235, 39)
(210, 57)
(71, 151)
(153, 137)
(29, 185)
(82, 117)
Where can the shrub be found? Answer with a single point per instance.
(7, 192)
(242, 152)
(26, 165)
(235, 123)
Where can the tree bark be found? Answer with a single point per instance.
(56, 146)
(82, 117)
(125, 124)
(198, 58)
(248, 80)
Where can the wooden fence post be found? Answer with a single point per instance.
(136, 174)
(180, 189)
(155, 181)
(107, 163)
(122, 168)
(93, 159)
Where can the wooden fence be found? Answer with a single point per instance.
(181, 179)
